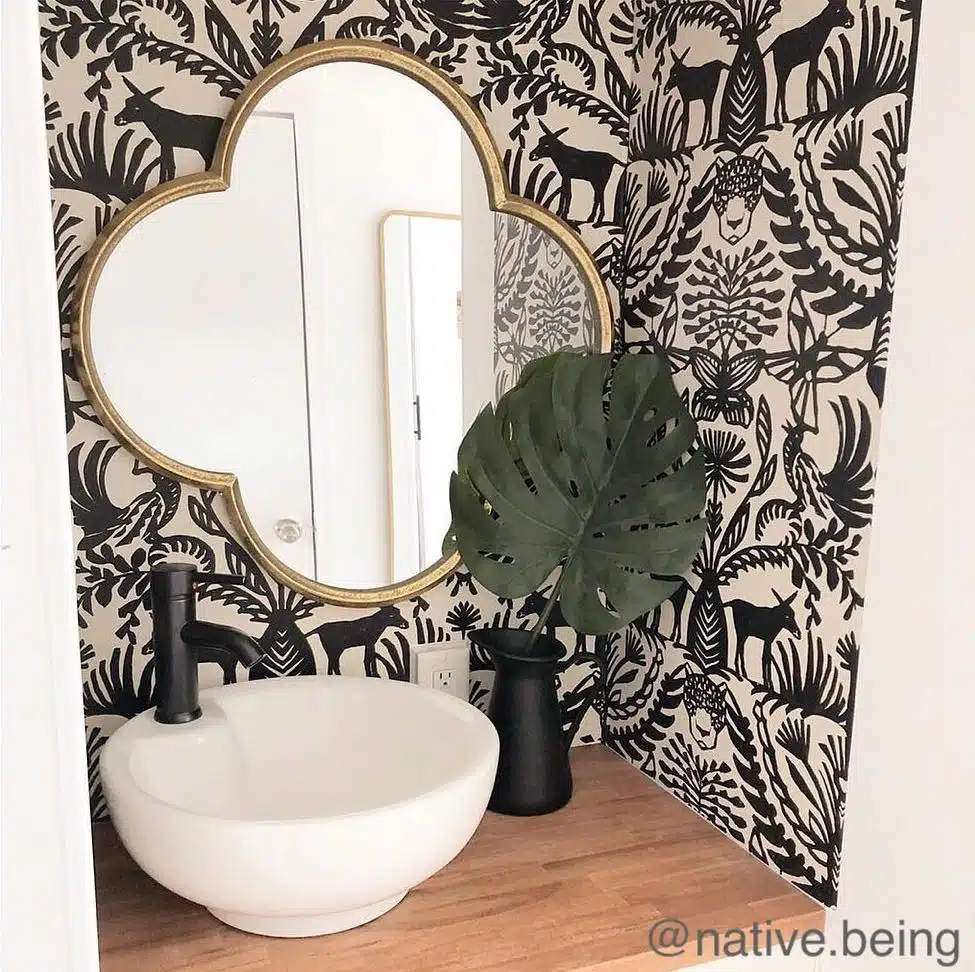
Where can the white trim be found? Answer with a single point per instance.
(47, 907)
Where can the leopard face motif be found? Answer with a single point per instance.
(737, 190)
(705, 702)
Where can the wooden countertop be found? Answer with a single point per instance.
(573, 891)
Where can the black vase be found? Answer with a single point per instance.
(533, 766)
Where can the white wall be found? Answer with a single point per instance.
(909, 847)
(374, 141)
(47, 913)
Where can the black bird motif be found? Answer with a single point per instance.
(845, 491)
(101, 521)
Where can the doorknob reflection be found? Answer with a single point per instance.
(287, 530)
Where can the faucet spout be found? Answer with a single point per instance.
(205, 633)
(180, 642)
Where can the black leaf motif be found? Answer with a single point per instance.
(765, 477)
(812, 683)
(112, 688)
(576, 56)
(751, 557)
(707, 627)
(744, 105)
(395, 659)
(879, 67)
(192, 62)
(735, 532)
(78, 160)
(202, 514)
(188, 548)
(763, 426)
(286, 650)
(95, 739)
(706, 786)
(236, 597)
(226, 43)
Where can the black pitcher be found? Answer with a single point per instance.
(533, 766)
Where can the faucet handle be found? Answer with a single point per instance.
(201, 578)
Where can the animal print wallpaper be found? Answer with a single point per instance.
(735, 167)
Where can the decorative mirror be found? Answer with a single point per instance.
(310, 325)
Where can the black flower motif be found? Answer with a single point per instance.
(726, 461)
(281, 8)
(845, 148)
(463, 617)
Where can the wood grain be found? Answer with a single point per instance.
(574, 891)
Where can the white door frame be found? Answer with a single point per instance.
(47, 921)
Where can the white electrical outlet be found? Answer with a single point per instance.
(443, 679)
(444, 666)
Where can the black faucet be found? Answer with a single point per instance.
(177, 635)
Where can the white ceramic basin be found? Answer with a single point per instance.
(301, 806)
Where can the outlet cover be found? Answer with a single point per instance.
(444, 666)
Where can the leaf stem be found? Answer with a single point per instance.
(549, 607)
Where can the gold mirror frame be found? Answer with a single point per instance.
(217, 178)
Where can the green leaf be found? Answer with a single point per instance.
(587, 467)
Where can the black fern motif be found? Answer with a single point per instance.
(78, 160)
(114, 688)
(117, 34)
(811, 682)
(705, 785)
(768, 839)
(878, 67)
(94, 740)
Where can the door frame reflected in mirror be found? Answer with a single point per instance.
(394, 470)
(217, 178)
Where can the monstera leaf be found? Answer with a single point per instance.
(589, 468)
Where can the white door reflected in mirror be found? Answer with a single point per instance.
(422, 309)
(327, 327)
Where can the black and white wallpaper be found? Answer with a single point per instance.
(735, 167)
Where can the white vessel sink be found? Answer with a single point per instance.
(301, 806)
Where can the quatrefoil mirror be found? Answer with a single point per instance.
(310, 325)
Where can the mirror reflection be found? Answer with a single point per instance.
(328, 327)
